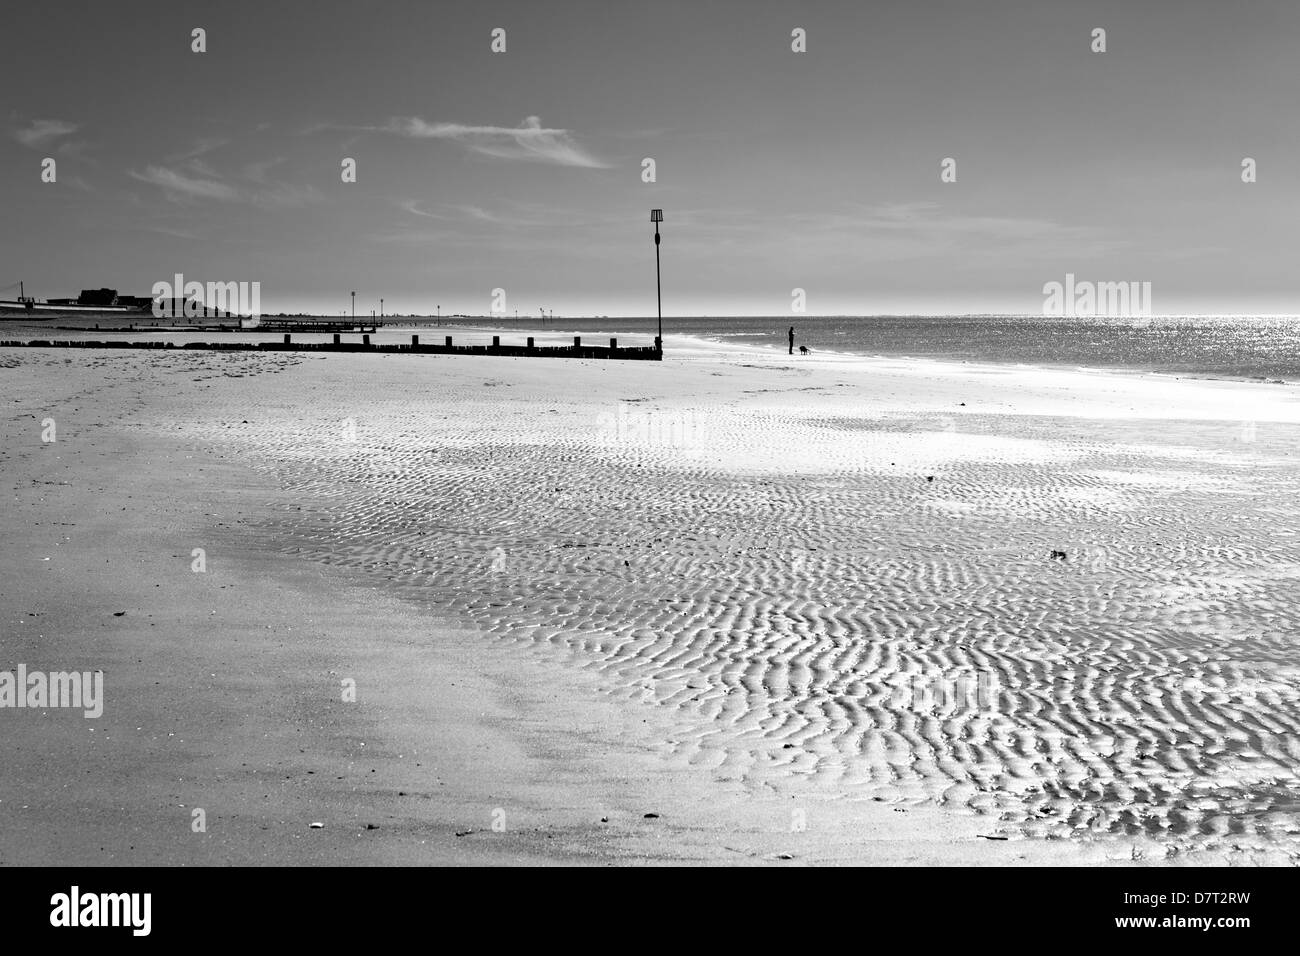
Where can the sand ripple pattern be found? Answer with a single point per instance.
(867, 603)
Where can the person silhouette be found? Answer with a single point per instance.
(792, 340)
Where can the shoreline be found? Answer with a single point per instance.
(954, 360)
(735, 342)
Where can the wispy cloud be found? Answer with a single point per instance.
(528, 141)
(178, 186)
(477, 213)
(287, 194)
(895, 232)
(506, 226)
(201, 146)
(201, 182)
(41, 132)
(413, 207)
(926, 225)
(169, 231)
(411, 238)
(257, 172)
(456, 212)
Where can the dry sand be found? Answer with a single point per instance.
(801, 609)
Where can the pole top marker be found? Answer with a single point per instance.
(656, 215)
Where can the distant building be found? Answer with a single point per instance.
(108, 298)
(187, 308)
(97, 297)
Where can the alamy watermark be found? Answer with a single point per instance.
(947, 693)
(180, 299)
(39, 690)
(1086, 298)
(679, 428)
(75, 908)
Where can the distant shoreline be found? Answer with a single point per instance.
(1274, 357)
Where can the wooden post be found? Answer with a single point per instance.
(496, 341)
(613, 343)
(415, 340)
(365, 340)
(530, 341)
(577, 341)
(449, 341)
(286, 338)
(336, 338)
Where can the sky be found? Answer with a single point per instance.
(777, 170)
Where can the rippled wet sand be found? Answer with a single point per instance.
(865, 598)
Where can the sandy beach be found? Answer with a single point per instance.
(734, 607)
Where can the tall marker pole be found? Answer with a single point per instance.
(657, 216)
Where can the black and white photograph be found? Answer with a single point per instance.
(561, 433)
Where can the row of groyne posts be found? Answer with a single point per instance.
(530, 349)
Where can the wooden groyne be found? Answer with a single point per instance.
(415, 347)
(264, 328)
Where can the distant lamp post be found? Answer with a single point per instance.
(657, 216)
(354, 305)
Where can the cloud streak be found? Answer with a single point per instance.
(179, 186)
(530, 141)
(183, 187)
(463, 212)
(40, 132)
